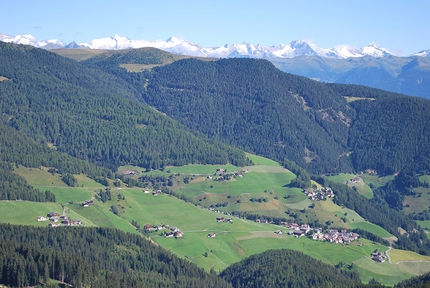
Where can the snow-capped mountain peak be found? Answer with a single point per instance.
(31, 40)
(423, 53)
(374, 50)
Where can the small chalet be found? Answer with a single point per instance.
(52, 214)
(378, 256)
(41, 218)
(265, 221)
(179, 234)
(299, 233)
(149, 227)
(220, 219)
(88, 203)
(211, 235)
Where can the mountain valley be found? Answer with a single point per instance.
(85, 127)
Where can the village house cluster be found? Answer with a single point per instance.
(58, 220)
(221, 174)
(331, 235)
(335, 236)
(296, 229)
(171, 231)
(319, 194)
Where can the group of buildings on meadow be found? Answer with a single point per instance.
(171, 231)
(319, 194)
(58, 220)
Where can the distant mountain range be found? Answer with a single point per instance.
(369, 65)
(180, 46)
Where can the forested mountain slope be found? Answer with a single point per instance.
(251, 104)
(93, 116)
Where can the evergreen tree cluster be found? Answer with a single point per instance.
(287, 268)
(422, 281)
(96, 257)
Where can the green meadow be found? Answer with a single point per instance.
(40, 177)
(250, 183)
(258, 160)
(25, 213)
(376, 180)
(386, 273)
(418, 202)
(68, 194)
(372, 228)
(361, 186)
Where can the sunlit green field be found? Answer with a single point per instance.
(361, 187)
(25, 213)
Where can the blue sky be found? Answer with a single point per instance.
(402, 27)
